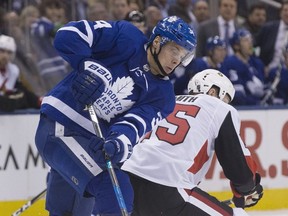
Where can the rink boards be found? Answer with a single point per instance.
(23, 172)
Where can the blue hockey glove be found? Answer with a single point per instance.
(251, 198)
(116, 149)
(90, 82)
(96, 151)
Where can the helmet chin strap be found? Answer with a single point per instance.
(155, 57)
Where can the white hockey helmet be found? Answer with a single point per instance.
(7, 43)
(203, 81)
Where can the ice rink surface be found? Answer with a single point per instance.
(283, 212)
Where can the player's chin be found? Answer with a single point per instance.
(168, 70)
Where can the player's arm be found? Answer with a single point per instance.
(237, 163)
(133, 126)
(77, 41)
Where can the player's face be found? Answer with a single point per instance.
(213, 92)
(55, 14)
(5, 57)
(119, 8)
(246, 46)
(228, 9)
(171, 56)
(219, 54)
(258, 17)
(226, 99)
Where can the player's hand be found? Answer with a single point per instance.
(251, 198)
(90, 82)
(96, 151)
(114, 148)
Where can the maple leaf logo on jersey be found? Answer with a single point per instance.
(115, 99)
(123, 87)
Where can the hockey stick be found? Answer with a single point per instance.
(273, 88)
(29, 203)
(228, 201)
(110, 168)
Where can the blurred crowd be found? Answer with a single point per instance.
(242, 40)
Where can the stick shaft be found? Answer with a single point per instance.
(29, 203)
(110, 168)
(228, 201)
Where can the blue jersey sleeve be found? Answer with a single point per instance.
(157, 104)
(98, 40)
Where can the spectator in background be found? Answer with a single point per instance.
(98, 11)
(200, 10)
(11, 23)
(119, 9)
(182, 9)
(138, 19)
(162, 5)
(17, 5)
(272, 38)
(245, 70)
(136, 5)
(224, 25)
(256, 19)
(2, 22)
(13, 94)
(277, 80)
(153, 16)
(26, 57)
(215, 55)
(52, 67)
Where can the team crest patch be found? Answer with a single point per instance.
(114, 100)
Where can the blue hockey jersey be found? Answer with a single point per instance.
(247, 78)
(135, 99)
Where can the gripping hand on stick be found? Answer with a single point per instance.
(252, 197)
(113, 147)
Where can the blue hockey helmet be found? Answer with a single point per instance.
(174, 29)
(213, 42)
(238, 34)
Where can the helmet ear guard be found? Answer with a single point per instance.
(203, 81)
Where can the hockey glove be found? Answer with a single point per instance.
(96, 151)
(116, 149)
(90, 82)
(251, 198)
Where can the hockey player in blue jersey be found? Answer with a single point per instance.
(215, 55)
(245, 70)
(125, 77)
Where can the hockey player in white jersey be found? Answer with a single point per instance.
(173, 159)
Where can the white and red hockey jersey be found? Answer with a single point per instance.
(178, 152)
